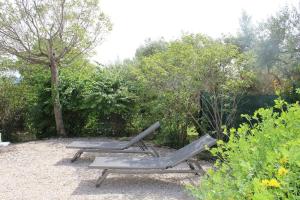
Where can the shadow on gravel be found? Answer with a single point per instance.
(8, 149)
(135, 186)
(78, 163)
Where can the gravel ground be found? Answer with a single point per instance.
(42, 170)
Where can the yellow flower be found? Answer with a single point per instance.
(265, 182)
(282, 171)
(274, 183)
(270, 183)
(283, 160)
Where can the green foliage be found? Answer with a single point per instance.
(260, 160)
(172, 80)
(29, 30)
(278, 46)
(51, 33)
(94, 101)
(151, 48)
(105, 100)
(273, 46)
(11, 106)
(192, 84)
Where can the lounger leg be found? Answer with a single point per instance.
(196, 165)
(199, 167)
(154, 152)
(192, 167)
(77, 155)
(102, 178)
(142, 144)
(144, 147)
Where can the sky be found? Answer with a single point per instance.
(134, 21)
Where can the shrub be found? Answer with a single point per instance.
(175, 78)
(261, 160)
(94, 102)
(12, 107)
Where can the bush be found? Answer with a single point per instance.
(12, 107)
(261, 160)
(94, 102)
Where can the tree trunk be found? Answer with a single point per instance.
(55, 98)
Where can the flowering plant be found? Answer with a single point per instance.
(261, 160)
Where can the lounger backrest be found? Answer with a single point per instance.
(190, 150)
(143, 134)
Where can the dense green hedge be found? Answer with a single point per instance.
(12, 107)
(94, 101)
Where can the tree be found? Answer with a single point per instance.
(277, 49)
(151, 47)
(278, 41)
(246, 34)
(192, 69)
(245, 37)
(51, 33)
